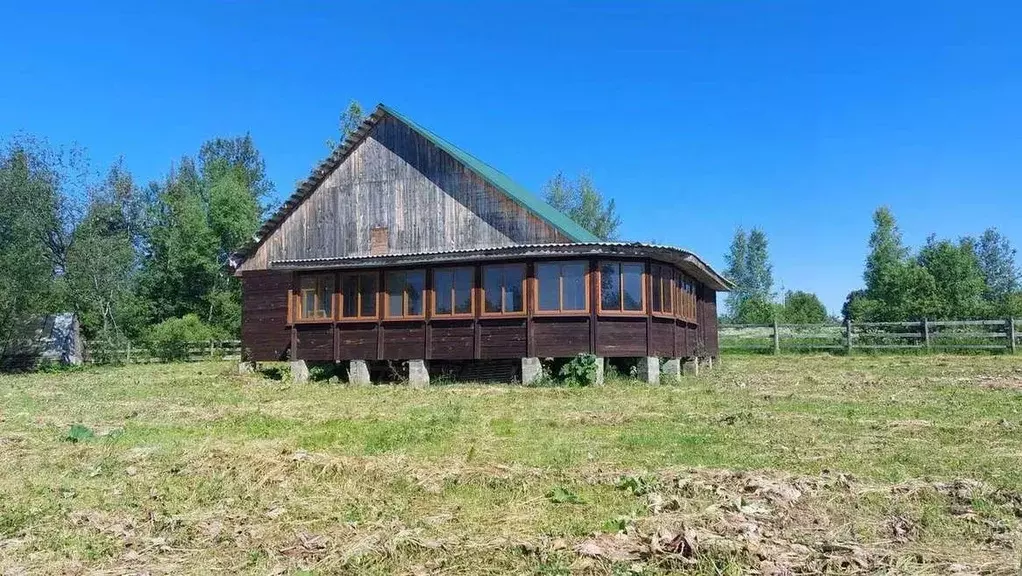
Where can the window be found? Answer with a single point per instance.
(452, 291)
(404, 293)
(359, 295)
(621, 287)
(561, 287)
(685, 301)
(662, 289)
(316, 295)
(504, 289)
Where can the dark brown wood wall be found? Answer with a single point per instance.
(267, 335)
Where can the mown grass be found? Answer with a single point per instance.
(194, 469)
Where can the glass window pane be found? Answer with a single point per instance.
(395, 294)
(326, 296)
(443, 280)
(610, 287)
(308, 304)
(415, 281)
(657, 289)
(493, 280)
(632, 277)
(463, 281)
(514, 299)
(574, 280)
(367, 288)
(548, 280)
(349, 296)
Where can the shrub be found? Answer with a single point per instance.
(170, 338)
(579, 371)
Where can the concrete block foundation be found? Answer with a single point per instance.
(358, 373)
(532, 370)
(649, 369)
(671, 369)
(299, 372)
(690, 366)
(418, 375)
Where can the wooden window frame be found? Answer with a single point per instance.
(434, 315)
(298, 296)
(664, 276)
(358, 304)
(503, 291)
(560, 289)
(621, 286)
(687, 300)
(404, 296)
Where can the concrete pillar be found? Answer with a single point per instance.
(598, 377)
(649, 369)
(418, 375)
(691, 366)
(299, 372)
(532, 370)
(707, 362)
(672, 369)
(246, 367)
(358, 373)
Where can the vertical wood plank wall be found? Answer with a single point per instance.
(399, 188)
(267, 336)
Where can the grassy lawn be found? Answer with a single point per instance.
(793, 464)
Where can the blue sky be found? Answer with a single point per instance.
(697, 117)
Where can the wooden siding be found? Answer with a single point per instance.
(560, 337)
(399, 181)
(264, 331)
(316, 342)
(267, 335)
(621, 337)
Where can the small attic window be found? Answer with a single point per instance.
(378, 241)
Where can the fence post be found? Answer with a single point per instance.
(210, 348)
(848, 336)
(128, 361)
(926, 333)
(1011, 334)
(777, 337)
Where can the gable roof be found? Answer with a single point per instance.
(494, 177)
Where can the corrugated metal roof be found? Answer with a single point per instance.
(498, 179)
(710, 275)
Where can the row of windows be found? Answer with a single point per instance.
(561, 287)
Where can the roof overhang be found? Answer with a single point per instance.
(685, 260)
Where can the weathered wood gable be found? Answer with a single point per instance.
(397, 186)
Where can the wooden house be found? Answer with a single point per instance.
(402, 247)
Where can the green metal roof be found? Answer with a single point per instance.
(502, 182)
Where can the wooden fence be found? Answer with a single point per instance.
(99, 353)
(927, 335)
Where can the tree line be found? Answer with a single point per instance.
(967, 278)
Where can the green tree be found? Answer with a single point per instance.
(581, 201)
(736, 271)
(350, 120)
(958, 284)
(760, 271)
(756, 310)
(803, 308)
(748, 266)
(101, 262)
(36, 183)
(997, 264)
(238, 158)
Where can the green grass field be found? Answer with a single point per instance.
(780, 465)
